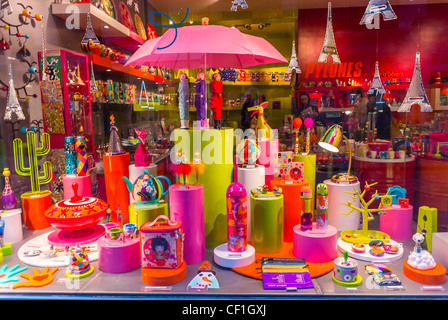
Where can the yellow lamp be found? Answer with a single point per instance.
(331, 141)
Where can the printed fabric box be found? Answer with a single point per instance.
(162, 243)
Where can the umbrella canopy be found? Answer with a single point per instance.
(205, 46)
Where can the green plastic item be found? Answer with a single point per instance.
(33, 153)
(6, 250)
(427, 220)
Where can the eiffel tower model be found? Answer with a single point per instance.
(377, 84)
(416, 93)
(89, 37)
(12, 105)
(329, 47)
(378, 6)
(293, 63)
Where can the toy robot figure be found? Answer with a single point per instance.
(306, 217)
(216, 99)
(200, 100)
(322, 206)
(183, 91)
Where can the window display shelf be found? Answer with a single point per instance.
(108, 64)
(104, 25)
(348, 88)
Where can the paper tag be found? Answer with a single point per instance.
(146, 206)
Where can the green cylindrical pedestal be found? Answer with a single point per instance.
(146, 213)
(267, 223)
(309, 163)
(215, 149)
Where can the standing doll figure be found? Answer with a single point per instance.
(322, 206)
(184, 96)
(236, 215)
(216, 99)
(306, 217)
(200, 99)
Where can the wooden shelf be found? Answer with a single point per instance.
(116, 66)
(254, 83)
(104, 25)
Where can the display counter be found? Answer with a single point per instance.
(232, 285)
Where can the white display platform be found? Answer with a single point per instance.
(41, 243)
(366, 256)
(227, 259)
(13, 225)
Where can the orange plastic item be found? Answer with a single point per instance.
(254, 270)
(432, 277)
(34, 207)
(37, 279)
(115, 168)
(292, 205)
(164, 277)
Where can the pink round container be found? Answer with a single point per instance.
(316, 245)
(187, 206)
(397, 222)
(113, 258)
(84, 186)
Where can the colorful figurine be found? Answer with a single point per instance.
(206, 278)
(184, 97)
(262, 124)
(70, 155)
(308, 124)
(306, 216)
(322, 206)
(216, 99)
(79, 265)
(142, 157)
(9, 200)
(200, 99)
(236, 215)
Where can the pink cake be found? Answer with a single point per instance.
(316, 245)
(118, 258)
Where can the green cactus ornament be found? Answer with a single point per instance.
(33, 153)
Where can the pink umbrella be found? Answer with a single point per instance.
(206, 46)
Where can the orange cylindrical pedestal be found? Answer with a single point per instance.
(34, 206)
(432, 277)
(115, 168)
(292, 205)
(164, 277)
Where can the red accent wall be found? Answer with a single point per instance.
(421, 28)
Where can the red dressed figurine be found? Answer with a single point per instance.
(216, 99)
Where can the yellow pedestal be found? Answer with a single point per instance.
(309, 162)
(146, 213)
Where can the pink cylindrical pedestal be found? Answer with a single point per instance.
(116, 257)
(268, 152)
(316, 245)
(397, 222)
(187, 205)
(84, 186)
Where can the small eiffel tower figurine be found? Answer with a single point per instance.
(293, 63)
(377, 84)
(329, 47)
(416, 93)
(12, 105)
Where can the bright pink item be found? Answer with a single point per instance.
(113, 258)
(84, 185)
(316, 245)
(187, 206)
(216, 100)
(209, 46)
(397, 222)
(142, 157)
